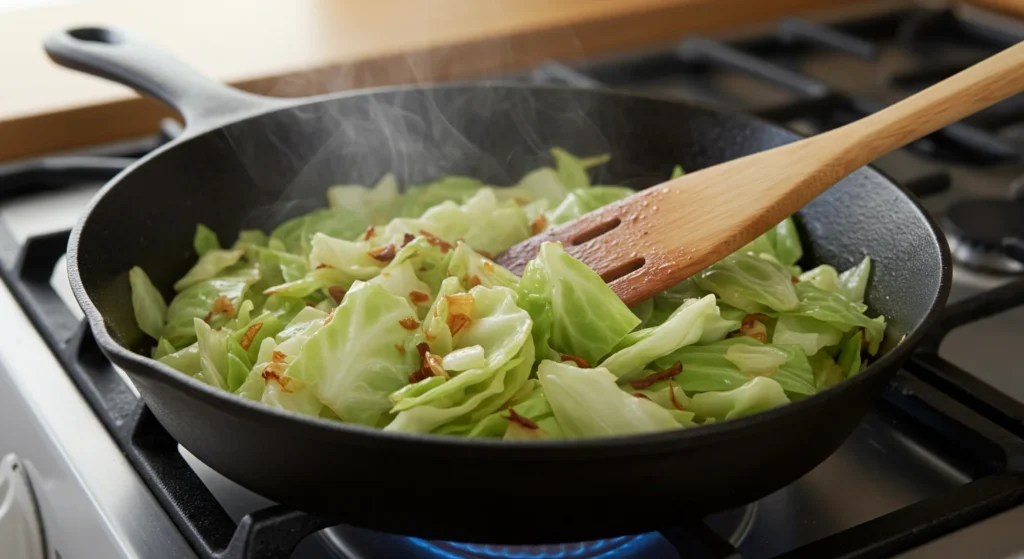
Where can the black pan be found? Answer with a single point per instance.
(247, 161)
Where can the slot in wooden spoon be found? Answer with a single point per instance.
(658, 237)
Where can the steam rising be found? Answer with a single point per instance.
(489, 131)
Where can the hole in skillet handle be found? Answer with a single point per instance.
(96, 35)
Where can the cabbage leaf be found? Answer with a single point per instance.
(588, 403)
(147, 303)
(750, 283)
(586, 319)
(352, 362)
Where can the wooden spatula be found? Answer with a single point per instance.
(658, 237)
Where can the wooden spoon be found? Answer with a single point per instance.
(658, 237)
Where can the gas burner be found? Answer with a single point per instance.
(980, 229)
(622, 546)
(732, 526)
(725, 530)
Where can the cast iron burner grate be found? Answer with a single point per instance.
(931, 397)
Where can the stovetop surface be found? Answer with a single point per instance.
(911, 456)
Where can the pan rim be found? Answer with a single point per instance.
(605, 447)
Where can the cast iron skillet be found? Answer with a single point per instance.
(247, 161)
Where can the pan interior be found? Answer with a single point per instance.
(258, 172)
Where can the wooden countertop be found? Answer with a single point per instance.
(1009, 7)
(304, 47)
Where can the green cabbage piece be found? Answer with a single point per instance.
(585, 200)
(205, 240)
(352, 363)
(162, 349)
(849, 354)
(839, 312)
(430, 263)
(750, 283)
(253, 386)
(306, 322)
(377, 204)
(311, 284)
(420, 198)
(854, 282)
(197, 302)
(294, 396)
(786, 241)
(662, 393)
(717, 327)
(730, 363)
(351, 258)
(296, 234)
(481, 222)
(683, 328)
(503, 330)
(677, 172)
(535, 210)
(823, 277)
(572, 171)
(643, 310)
(223, 362)
(529, 403)
(213, 354)
(757, 395)
(668, 301)
(545, 187)
(464, 358)
(589, 403)
(435, 324)
(280, 267)
(757, 360)
(269, 326)
(469, 266)
(185, 360)
(147, 303)
(401, 280)
(416, 389)
(810, 334)
(587, 318)
(826, 372)
(251, 238)
(780, 244)
(210, 264)
(471, 402)
(281, 391)
(539, 184)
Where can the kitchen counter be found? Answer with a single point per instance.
(304, 47)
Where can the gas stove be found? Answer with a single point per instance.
(936, 469)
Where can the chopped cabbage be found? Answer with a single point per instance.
(758, 394)
(387, 309)
(750, 283)
(148, 304)
(352, 363)
(588, 403)
(587, 319)
(681, 329)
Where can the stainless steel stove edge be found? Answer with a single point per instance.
(92, 503)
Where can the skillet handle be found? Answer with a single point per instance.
(117, 55)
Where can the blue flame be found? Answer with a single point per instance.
(612, 548)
